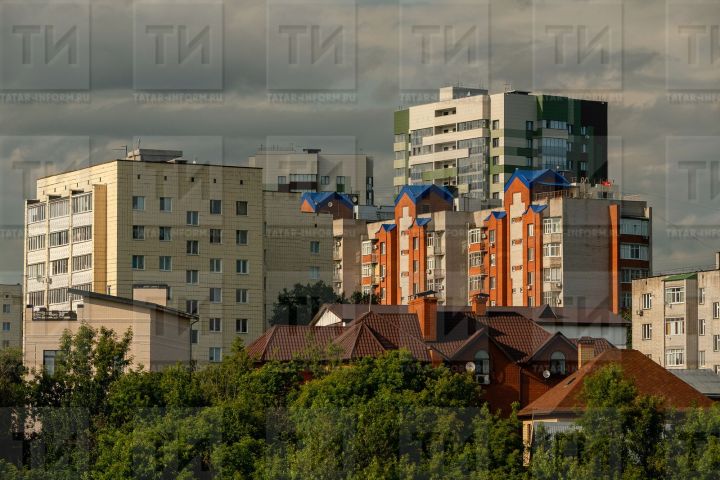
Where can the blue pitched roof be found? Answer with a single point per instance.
(497, 214)
(417, 192)
(318, 199)
(422, 221)
(536, 208)
(540, 177)
(388, 227)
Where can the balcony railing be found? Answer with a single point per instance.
(435, 273)
(337, 254)
(337, 276)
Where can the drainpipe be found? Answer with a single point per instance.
(190, 330)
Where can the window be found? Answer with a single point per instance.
(241, 208)
(551, 298)
(36, 298)
(529, 143)
(49, 357)
(552, 274)
(530, 278)
(675, 326)
(138, 262)
(215, 235)
(58, 239)
(701, 358)
(551, 250)
(584, 148)
(193, 247)
(495, 160)
(193, 218)
(57, 295)
(675, 357)
(674, 295)
(82, 203)
(475, 259)
(165, 264)
(495, 124)
(528, 161)
(165, 204)
(36, 242)
(82, 234)
(215, 207)
(214, 324)
(36, 270)
(191, 307)
(165, 234)
(138, 232)
(557, 363)
(495, 178)
(701, 296)
(552, 225)
(529, 125)
(493, 281)
(627, 275)
(531, 254)
(59, 208)
(495, 142)
(242, 266)
(241, 295)
(282, 180)
(491, 236)
(493, 260)
(82, 262)
(366, 248)
(382, 248)
(36, 213)
(701, 326)
(632, 251)
(216, 295)
(716, 309)
(647, 331)
(58, 267)
(6, 325)
(325, 180)
(531, 230)
(215, 265)
(314, 246)
(241, 325)
(192, 277)
(647, 301)
(315, 273)
(194, 336)
(241, 237)
(367, 270)
(716, 343)
(138, 203)
(482, 362)
(475, 235)
(634, 226)
(215, 354)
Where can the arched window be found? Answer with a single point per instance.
(482, 363)
(557, 363)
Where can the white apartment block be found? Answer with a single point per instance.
(311, 170)
(473, 141)
(676, 319)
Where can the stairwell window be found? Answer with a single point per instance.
(701, 296)
(701, 326)
(241, 208)
(675, 295)
(216, 295)
(716, 309)
(193, 218)
(551, 250)
(215, 207)
(138, 203)
(674, 326)
(138, 262)
(716, 343)
(241, 237)
(674, 357)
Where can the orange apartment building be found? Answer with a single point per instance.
(560, 244)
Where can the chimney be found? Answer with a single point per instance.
(479, 304)
(426, 310)
(586, 351)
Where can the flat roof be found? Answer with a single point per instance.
(131, 301)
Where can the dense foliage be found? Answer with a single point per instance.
(390, 417)
(299, 305)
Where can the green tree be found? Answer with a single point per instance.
(12, 373)
(299, 305)
(364, 298)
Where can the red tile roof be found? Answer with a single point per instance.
(649, 378)
(519, 336)
(287, 342)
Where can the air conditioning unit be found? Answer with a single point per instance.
(482, 379)
(441, 287)
(492, 244)
(375, 247)
(483, 236)
(558, 284)
(529, 287)
(429, 272)
(640, 313)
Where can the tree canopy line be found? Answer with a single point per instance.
(299, 305)
(98, 417)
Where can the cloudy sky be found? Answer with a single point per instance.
(80, 82)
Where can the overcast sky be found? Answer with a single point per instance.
(330, 74)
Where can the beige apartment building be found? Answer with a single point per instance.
(156, 219)
(11, 316)
(472, 141)
(297, 246)
(161, 335)
(288, 169)
(676, 319)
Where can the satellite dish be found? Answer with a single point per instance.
(546, 374)
(470, 367)
(330, 204)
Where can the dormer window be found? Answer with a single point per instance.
(557, 363)
(482, 363)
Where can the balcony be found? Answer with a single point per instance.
(337, 276)
(436, 249)
(337, 254)
(435, 273)
(376, 279)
